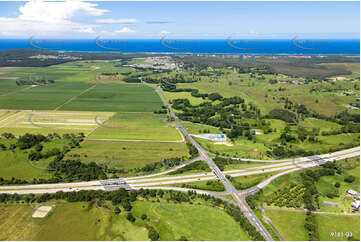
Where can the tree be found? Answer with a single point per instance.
(117, 210)
(183, 238)
(337, 184)
(153, 234)
(127, 206)
(130, 217)
(144, 217)
(350, 179)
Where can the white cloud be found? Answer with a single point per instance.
(124, 30)
(50, 18)
(116, 21)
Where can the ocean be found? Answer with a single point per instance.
(194, 46)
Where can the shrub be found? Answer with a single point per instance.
(350, 179)
(117, 210)
(153, 234)
(130, 217)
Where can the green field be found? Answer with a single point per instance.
(8, 86)
(326, 185)
(75, 221)
(328, 223)
(137, 126)
(266, 96)
(242, 147)
(210, 185)
(16, 164)
(117, 98)
(47, 97)
(128, 154)
(19, 122)
(291, 225)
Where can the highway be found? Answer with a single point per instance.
(218, 173)
(159, 180)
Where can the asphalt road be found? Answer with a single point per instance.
(150, 180)
(153, 180)
(247, 211)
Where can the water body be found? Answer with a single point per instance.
(195, 46)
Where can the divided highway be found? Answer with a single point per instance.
(158, 180)
(241, 202)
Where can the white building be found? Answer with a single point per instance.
(356, 204)
(257, 131)
(214, 137)
(352, 192)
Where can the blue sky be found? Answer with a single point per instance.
(180, 19)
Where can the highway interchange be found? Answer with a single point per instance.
(160, 180)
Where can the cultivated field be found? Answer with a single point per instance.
(137, 126)
(116, 98)
(19, 122)
(128, 154)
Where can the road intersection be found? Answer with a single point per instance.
(159, 180)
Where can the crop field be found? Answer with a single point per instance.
(19, 122)
(77, 71)
(129, 154)
(45, 97)
(137, 126)
(8, 86)
(291, 225)
(76, 221)
(82, 96)
(117, 98)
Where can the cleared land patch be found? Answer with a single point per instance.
(19, 122)
(137, 126)
(41, 212)
(127, 155)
